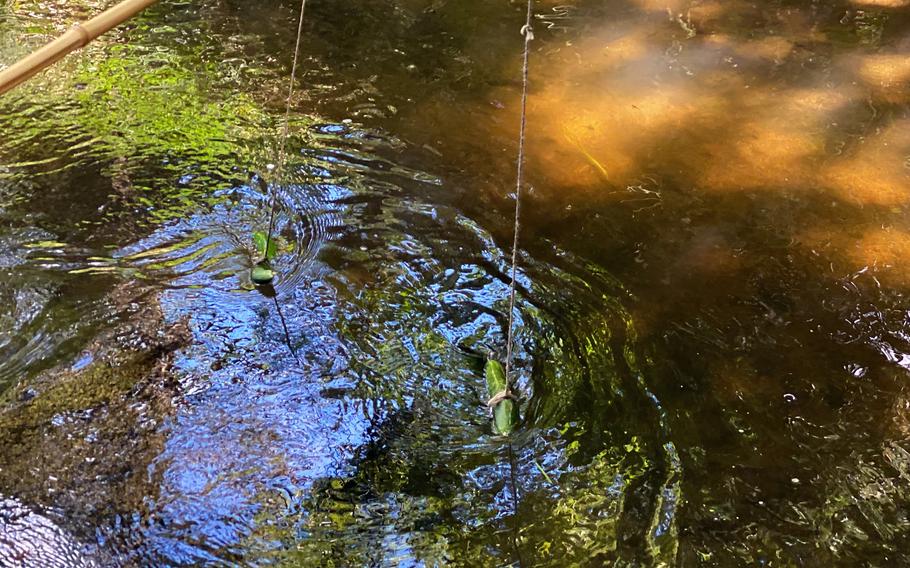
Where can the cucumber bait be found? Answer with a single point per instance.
(505, 412)
(262, 273)
(266, 247)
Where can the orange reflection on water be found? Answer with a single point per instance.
(645, 99)
(876, 172)
(886, 75)
(882, 3)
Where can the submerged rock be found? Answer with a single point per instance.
(30, 540)
(73, 438)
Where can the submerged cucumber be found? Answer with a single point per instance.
(262, 274)
(505, 417)
(505, 413)
(496, 378)
(265, 247)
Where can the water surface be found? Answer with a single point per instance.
(712, 333)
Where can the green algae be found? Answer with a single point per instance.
(97, 385)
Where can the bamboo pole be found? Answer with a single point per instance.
(77, 37)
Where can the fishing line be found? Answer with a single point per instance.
(282, 149)
(516, 498)
(528, 34)
(519, 182)
(287, 333)
(279, 170)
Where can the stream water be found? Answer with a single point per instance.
(713, 335)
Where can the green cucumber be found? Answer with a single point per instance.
(262, 242)
(262, 273)
(496, 378)
(505, 417)
(505, 413)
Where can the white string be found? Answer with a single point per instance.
(282, 152)
(528, 34)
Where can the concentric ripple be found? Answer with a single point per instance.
(376, 411)
(216, 247)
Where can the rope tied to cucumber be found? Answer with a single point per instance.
(262, 271)
(262, 274)
(505, 393)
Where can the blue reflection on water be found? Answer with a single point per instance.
(259, 417)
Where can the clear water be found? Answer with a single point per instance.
(712, 342)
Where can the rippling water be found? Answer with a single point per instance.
(712, 341)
